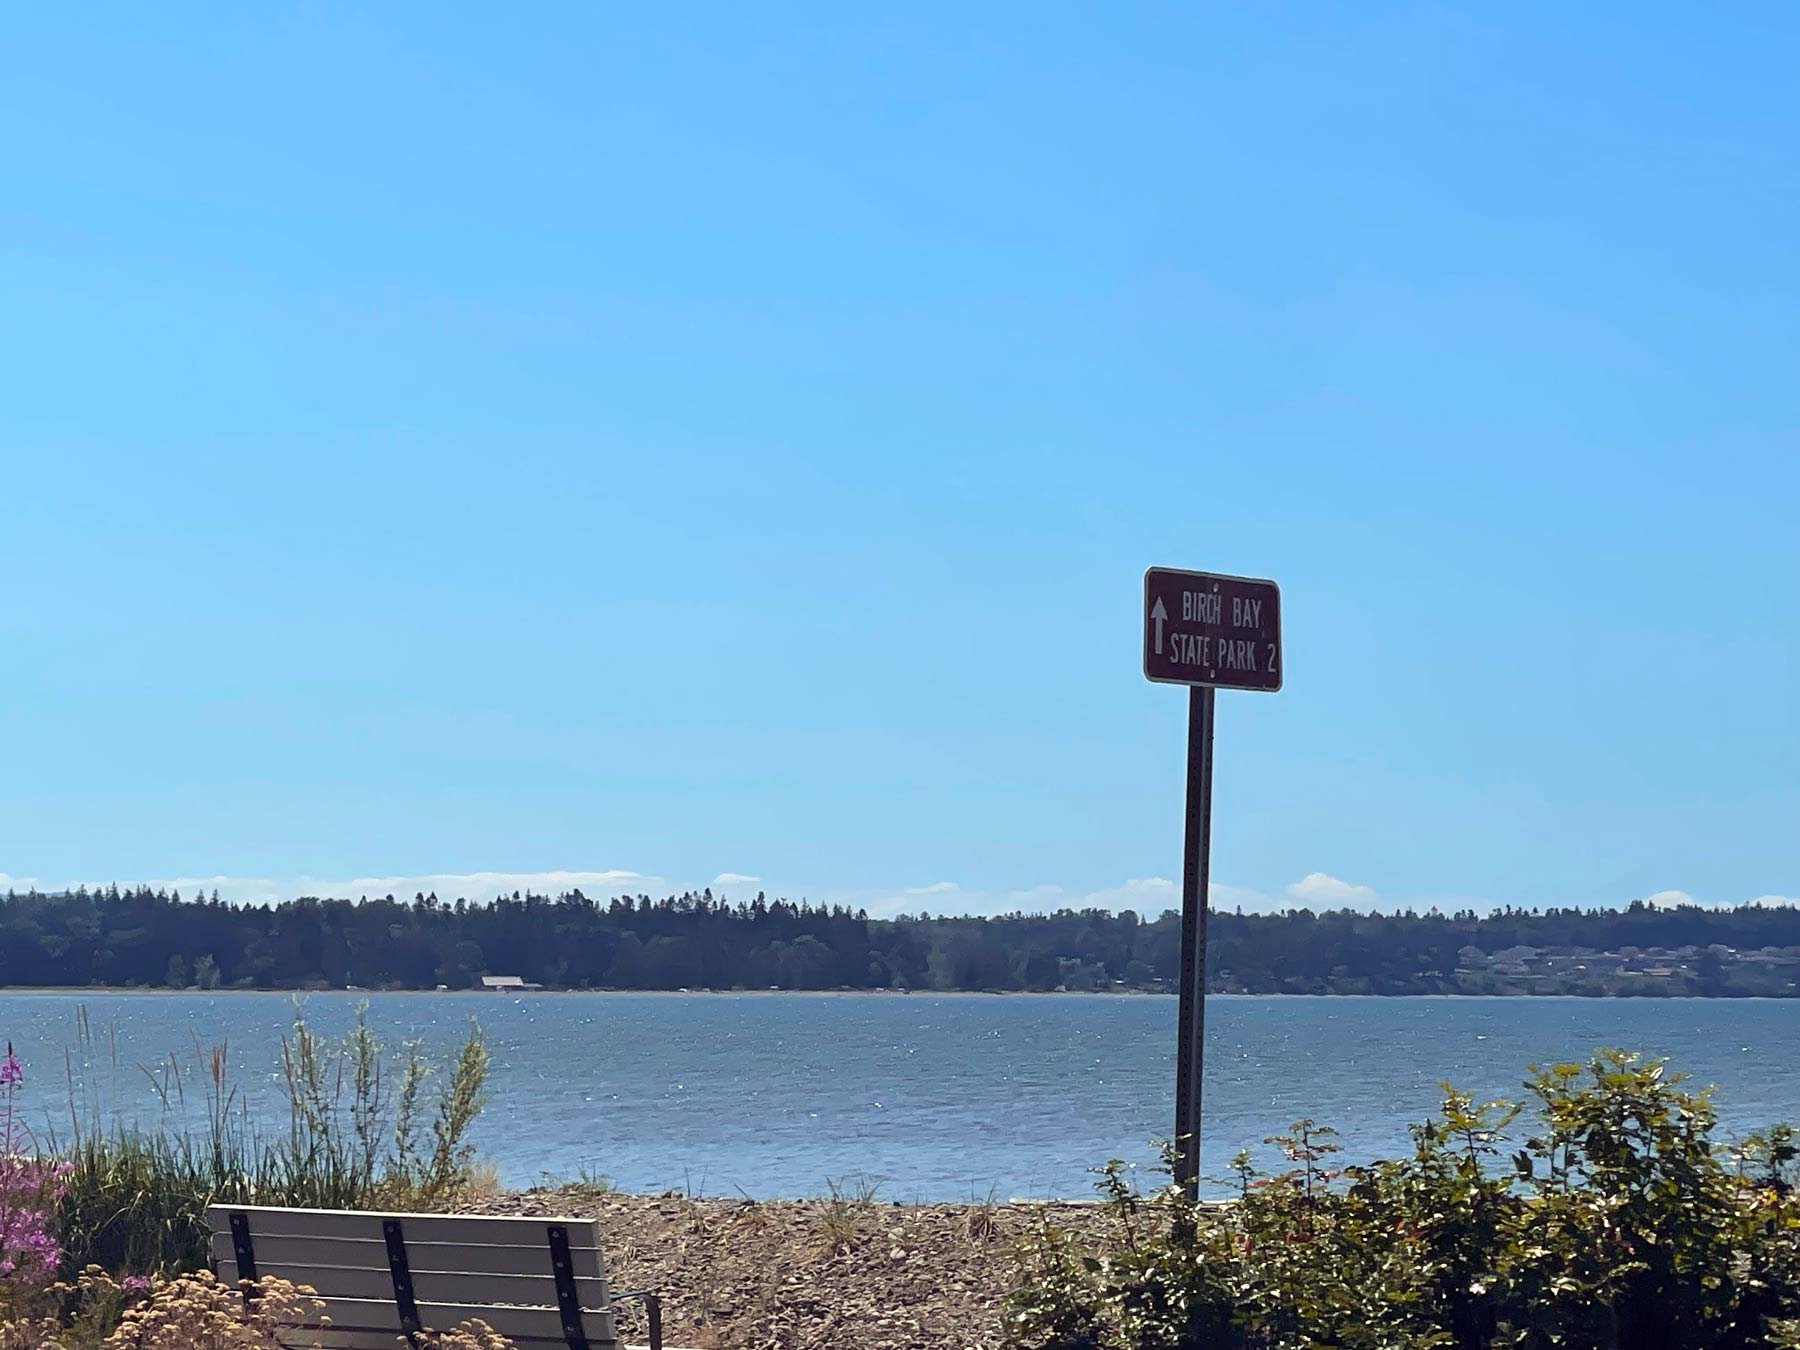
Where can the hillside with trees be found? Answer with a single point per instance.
(144, 938)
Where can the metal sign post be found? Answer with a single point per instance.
(1209, 632)
(1190, 1047)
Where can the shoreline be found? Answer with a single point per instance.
(143, 991)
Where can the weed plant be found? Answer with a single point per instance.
(363, 1132)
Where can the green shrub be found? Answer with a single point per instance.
(1619, 1225)
(135, 1200)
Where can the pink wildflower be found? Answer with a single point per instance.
(29, 1190)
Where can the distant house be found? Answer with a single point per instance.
(1516, 960)
(1518, 955)
(507, 984)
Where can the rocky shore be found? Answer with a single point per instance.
(845, 1273)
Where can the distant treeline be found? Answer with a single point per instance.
(145, 938)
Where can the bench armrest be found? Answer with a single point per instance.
(652, 1311)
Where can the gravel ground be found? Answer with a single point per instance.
(808, 1274)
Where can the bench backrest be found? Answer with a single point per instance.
(540, 1282)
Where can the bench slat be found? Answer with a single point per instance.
(487, 1229)
(330, 1338)
(371, 1254)
(435, 1287)
(464, 1267)
(339, 1338)
(369, 1314)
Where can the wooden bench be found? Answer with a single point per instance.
(384, 1277)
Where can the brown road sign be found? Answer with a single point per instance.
(1203, 628)
(1210, 632)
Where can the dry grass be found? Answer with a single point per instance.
(983, 1222)
(848, 1213)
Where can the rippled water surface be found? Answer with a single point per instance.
(935, 1096)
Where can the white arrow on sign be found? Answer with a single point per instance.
(1158, 614)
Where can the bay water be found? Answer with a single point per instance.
(928, 1096)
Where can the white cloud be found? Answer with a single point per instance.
(1674, 896)
(938, 897)
(1678, 897)
(1221, 896)
(1148, 895)
(1321, 888)
(486, 885)
(1145, 894)
(446, 885)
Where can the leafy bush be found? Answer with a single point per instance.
(1617, 1225)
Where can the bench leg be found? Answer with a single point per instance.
(652, 1311)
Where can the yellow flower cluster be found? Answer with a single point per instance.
(202, 1312)
(195, 1312)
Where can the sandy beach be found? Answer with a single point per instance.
(821, 1274)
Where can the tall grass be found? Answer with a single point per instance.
(363, 1132)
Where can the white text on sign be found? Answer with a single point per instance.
(1193, 649)
(1238, 654)
(1207, 607)
(1206, 628)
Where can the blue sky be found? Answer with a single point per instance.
(656, 446)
